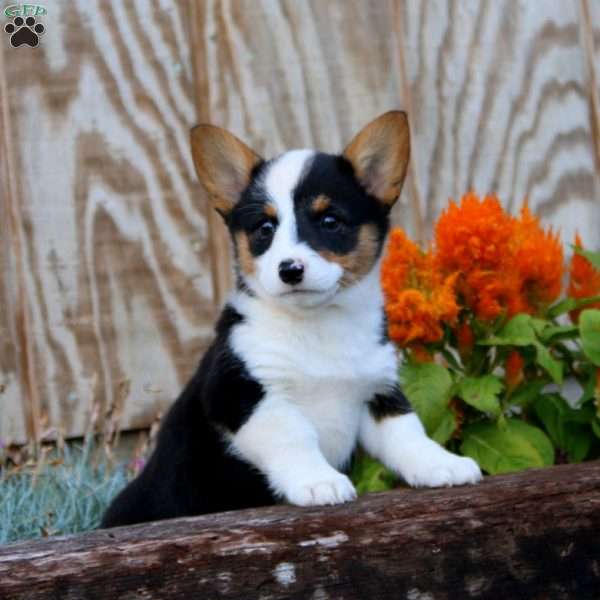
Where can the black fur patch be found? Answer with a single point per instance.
(385, 335)
(333, 176)
(249, 213)
(229, 393)
(241, 286)
(191, 471)
(229, 318)
(389, 405)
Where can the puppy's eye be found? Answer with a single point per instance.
(330, 223)
(265, 230)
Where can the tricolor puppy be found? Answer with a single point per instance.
(300, 371)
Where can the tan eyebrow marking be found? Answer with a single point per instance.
(320, 203)
(270, 211)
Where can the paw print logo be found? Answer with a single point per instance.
(24, 31)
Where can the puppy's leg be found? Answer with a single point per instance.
(282, 443)
(397, 438)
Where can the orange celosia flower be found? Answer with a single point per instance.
(538, 264)
(506, 265)
(490, 293)
(418, 298)
(473, 239)
(513, 369)
(473, 234)
(493, 263)
(458, 408)
(584, 280)
(465, 339)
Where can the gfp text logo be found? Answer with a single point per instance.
(25, 10)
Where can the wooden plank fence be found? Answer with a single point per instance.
(112, 268)
(530, 535)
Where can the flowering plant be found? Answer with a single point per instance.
(498, 366)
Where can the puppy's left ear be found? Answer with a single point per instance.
(379, 154)
(224, 165)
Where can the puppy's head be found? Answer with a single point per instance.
(305, 225)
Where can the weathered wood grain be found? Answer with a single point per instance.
(531, 535)
(111, 229)
(589, 17)
(500, 105)
(13, 345)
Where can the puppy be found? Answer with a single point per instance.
(300, 370)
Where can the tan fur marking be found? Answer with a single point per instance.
(320, 203)
(360, 261)
(244, 256)
(270, 211)
(223, 163)
(379, 154)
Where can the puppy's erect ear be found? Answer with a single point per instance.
(379, 154)
(223, 163)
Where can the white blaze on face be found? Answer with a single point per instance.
(321, 278)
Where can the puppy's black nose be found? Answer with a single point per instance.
(291, 271)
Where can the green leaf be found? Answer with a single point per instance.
(519, 331)
(539, 325)
(593, 257)
(589, 325)
(569, 304)
(587, 379)
(515, 447)
(596, 427)
(545, 359)
(567, 427)
(562, 307)
(523, 330)
(369, 475)
(482, 393)
(552, 332)
(526, 393)
(445, 428)
(427, 386)
(578, 441)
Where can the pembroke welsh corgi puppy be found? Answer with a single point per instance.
(301, 369)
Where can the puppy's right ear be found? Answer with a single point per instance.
(379, 154)
(224, 165)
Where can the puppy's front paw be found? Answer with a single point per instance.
(436, 467)
(326, 486)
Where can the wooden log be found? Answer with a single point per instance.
(530, 535)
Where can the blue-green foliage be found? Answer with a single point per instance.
(67, 492)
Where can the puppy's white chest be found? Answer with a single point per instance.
(326, 366)
(302, 355)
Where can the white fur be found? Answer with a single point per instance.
(320, 359)
(401, 444)
(319, 368)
